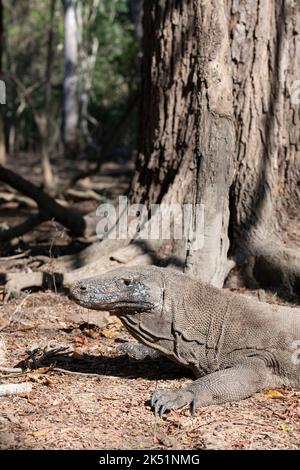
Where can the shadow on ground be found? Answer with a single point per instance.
(121, 366)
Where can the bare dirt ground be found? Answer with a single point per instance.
(110, 410)
(97, 398)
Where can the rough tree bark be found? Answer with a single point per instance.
(187, 131)
(265, 49)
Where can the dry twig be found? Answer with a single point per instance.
(15, 389)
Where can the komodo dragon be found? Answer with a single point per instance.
(235, 346)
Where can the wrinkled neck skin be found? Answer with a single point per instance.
(152, 327)
(157, 329)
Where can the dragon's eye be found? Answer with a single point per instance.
(127, 282)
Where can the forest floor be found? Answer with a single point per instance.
(110, 410)
(94, 397)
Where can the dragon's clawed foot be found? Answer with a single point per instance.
(164, 400)
(138, 351)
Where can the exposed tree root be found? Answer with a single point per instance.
(15, 282)
(278, 267)
(271, 265)
(17, 198)
(94, 251)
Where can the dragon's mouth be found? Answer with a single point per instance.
(117, 307)
(132, 306)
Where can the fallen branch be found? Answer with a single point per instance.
(11, 370)
(15, 389)
(87, 194)
(14, 257)
(48, 207)
(74, 372)
(2, 351)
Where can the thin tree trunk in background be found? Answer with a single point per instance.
(2, 136)
(87, 13)
(136, 10)
(2, 141)
(71, 111)
(1, 36)
(88, 50)
(87, 66)
(265, 48)
(48, 176)
(187, 132)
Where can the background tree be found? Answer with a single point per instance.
(71, 105)
(48, 176)
(136, 9)
(106, 73)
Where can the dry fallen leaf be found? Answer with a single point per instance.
(112, 328)
(286, 427)
(274, 394)
(80, 340)
(40, 432)
(28, 302)
(31, 402)
(166, 440)
(91, 333)
(39, 378)
(2, 295)
(41, 370)
(294, 408)
(243, 443)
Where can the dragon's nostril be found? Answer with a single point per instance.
(82, 288)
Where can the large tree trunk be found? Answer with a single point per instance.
(265, 48)
(71, 112)
(187, 132)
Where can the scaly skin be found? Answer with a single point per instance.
(235, 346)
